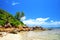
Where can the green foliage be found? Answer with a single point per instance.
(2, 22)
(15, 23)
(22, 14)
(19, 15)
(6, 17)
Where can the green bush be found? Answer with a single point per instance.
(15, 23)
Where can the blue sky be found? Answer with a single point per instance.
(35, 9)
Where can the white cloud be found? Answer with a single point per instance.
(42, 19)
(42, 22)
(51, 21)
(14, 3)
(23, 18)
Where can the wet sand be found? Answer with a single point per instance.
(33, 35)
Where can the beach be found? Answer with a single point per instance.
(33, 35)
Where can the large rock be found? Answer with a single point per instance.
(8, 25)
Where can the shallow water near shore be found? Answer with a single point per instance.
(34, 35)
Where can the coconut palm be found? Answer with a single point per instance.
(19, 15)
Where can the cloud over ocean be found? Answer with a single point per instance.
(45, 22)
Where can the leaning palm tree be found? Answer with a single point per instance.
(19, 15)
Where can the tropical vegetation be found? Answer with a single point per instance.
(6, 17)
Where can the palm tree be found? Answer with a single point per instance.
(22, 14)
(19, 15)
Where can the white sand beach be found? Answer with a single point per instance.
(9, 36)
(31, 35)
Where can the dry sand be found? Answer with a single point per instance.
(9, 36)
(31, 35)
